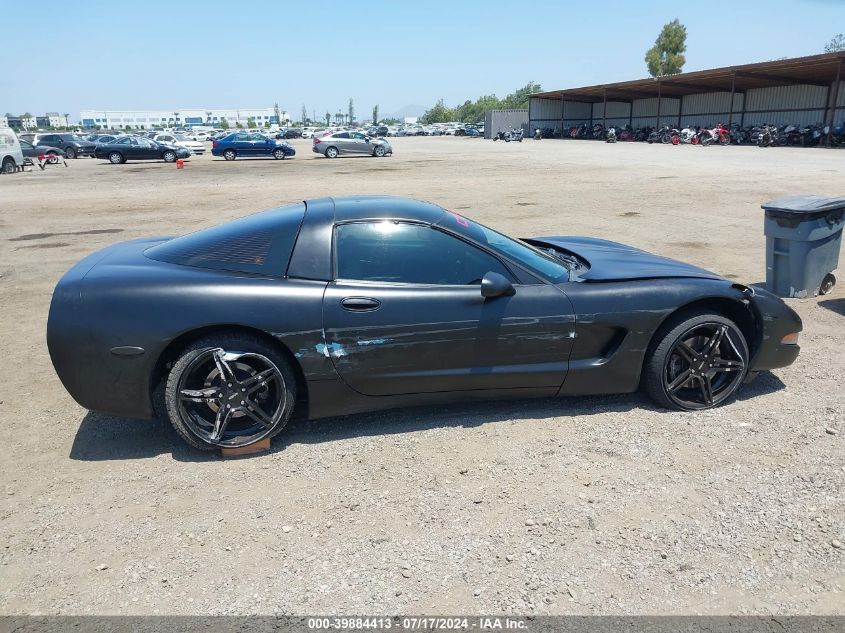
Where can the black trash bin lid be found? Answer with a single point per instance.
(804, 205)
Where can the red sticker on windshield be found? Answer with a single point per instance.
(461, 220)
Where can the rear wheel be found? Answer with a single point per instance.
(279, 154)
(827, 284)
(52, 158)
(229, 391)
(70, 152)
(115, 158)
(331, 152)
(9, 166)
(230, 154)
(697, 363)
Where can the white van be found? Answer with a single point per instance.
(11, 156)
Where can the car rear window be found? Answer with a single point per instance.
(259, 243)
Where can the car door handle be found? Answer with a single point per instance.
(360, 304)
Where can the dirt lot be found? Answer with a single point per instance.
(587, 506)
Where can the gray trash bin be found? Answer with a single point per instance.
(803, 238)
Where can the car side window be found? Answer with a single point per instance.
(122, 141)
(242, 137)
(357, 135)
(400, 252)
(341, 135)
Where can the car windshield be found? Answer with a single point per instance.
(79, 139)
(531, 258)
(181, 137)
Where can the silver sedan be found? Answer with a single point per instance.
(334, 145)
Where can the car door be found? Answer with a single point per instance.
(359, 144)
(147, 149)
(242, 144)
(342, 142)
(261, 145)
(51, 140)
(405, 314)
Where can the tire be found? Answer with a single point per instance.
(54, 158)
(116, 158)
(230, 154)
(169, 156)
(70, 152)
(676, 140)
(279, 154)
(9, 166)
(724, 140)
(680, 373)
(331, 152)
(194, 404)
(827, 284)
(379, 151)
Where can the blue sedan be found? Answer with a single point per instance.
(248, 144)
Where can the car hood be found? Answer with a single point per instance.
(612, 261)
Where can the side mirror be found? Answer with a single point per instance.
(496, 285)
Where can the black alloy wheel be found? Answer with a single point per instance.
(699, 364)
(230, 397)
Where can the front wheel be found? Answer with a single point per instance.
(52, 158)
(9, 166)
(279, 154)
(827, 284)
(115, 158)
(230, 391)
(379, 151)
(697, 362)
(169, 156)
(70, 152)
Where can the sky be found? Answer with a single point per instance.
(151, 54)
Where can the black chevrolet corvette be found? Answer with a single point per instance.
(339, 305)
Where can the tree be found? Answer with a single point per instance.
(438, 114)
(266, 124)
(328, 118)
(666, 57)
(519, 98)
(250, 122)
(304, 115)
(351, 111)
(836, 44)
(224, 123)
(375, 114)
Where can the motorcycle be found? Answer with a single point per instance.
(718, 134)
(689, 136)
(512, 135)
(768, 136)
(611, 135)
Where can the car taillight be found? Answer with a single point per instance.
(316, 141)
(213, 144)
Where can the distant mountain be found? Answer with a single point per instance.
(408, 110)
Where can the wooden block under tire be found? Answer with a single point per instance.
(258, 447)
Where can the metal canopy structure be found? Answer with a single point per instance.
(815, 70)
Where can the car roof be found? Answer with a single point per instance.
(348, 208)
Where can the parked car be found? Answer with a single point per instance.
(291, 132)
(198, 136)
(11, 156)
(341, 143)
(472, 132)
(251, 144)
(307, 132)
(31, 151)
(181, 140)
(73, 145)
(139, 148)
(329, 295)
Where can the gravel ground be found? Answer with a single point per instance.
(576, 506)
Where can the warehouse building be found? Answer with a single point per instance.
(146, 119)
(800, 91)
